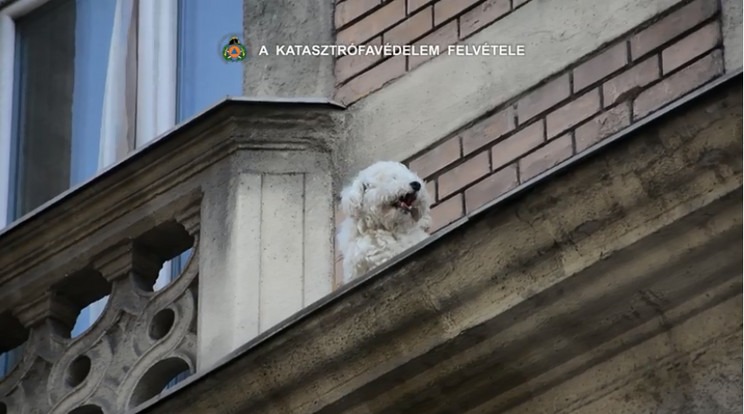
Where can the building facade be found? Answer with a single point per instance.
(167, 249)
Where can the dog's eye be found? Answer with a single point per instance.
(364, 186)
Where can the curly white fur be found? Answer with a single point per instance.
(387, 210)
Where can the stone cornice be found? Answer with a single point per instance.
(5, 3)
(67, 233)
(647, 228)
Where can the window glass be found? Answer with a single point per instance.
(62, 49)
(204, 77)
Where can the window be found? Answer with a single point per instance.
(203, 77)
(88, 85)
(58, 63)
(62, 72)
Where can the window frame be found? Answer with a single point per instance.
(157, 23)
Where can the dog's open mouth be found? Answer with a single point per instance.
(405, 202)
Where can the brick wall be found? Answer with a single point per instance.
(403, 22)
(625, 81)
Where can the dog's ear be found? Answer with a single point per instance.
(351, 198)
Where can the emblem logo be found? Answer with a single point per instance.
(234, 51)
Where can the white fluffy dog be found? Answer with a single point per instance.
(387, 210)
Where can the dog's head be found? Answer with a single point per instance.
(389, 196)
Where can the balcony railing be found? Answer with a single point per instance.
(247, 184)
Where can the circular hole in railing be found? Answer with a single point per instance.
(88, 316)
(87, 409)
(3, 408)
(9, 360)
(162, 323)
(157, 378)
(78, 371)
(172, 269)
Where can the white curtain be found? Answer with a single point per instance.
(117, 125)
(156, 63)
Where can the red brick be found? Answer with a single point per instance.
(414, 5)
(554, 152)
(409, 29)
(443, 37)
(624, 84)
(351, 9)
(690, 47)
(678, 84)
(371, 80)
(572, 113)
(437, 158)
(487, 130)
(444, 9)
(491, 187)
(431, 188)
(517, 145)
(482, 15)
(600, 66)
(350, 65)
(464, 174)
(372, 25)
(669, 27)
(446, 212)
(543, 98)
(602, 126)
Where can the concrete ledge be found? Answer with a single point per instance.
(575, 269)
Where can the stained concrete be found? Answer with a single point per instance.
(287, 22)
(417, 110)
(732, 34)
(692, 368)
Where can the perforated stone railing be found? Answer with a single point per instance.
(247, 185)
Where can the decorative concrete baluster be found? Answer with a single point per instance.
(50, 319)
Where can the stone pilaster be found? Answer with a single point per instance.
(265, 244)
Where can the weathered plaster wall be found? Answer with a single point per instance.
(287, 22)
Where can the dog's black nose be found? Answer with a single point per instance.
(415, 185)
